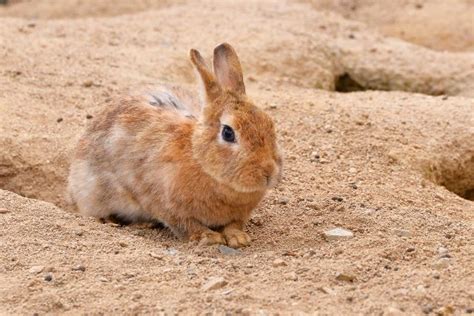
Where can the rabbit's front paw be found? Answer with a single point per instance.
(236, 238)
(209, 238)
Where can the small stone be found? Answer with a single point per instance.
(36, 269)
(79, 267)
(427, 309)
(256, 221)
(123, 244)
(337, 199)
(292, 276)
(156, 256)
(445, 310)
(48, 277)
(470, 310)
(352, 170)
(345, 277)
(171, 251)
(88, 116)
(103, 279)
(278, 263)
(88, 83)
(283, 200)
(338, 233)
(402, 232)
(214, 283)
(59, 119)
(3, 210)
(228, 250)
(313, 206)
(327, 290)
(442, 251)
(79, 232)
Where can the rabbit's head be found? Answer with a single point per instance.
(234, 140)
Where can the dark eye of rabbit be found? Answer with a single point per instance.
(228, 134)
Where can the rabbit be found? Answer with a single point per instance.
(197, 165)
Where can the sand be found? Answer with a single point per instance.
(393, 161)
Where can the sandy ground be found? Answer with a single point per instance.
(394, 165)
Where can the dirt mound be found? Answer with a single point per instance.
(436, 24)
(395, 168)
(50, 9)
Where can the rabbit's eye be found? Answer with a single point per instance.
(228, 134)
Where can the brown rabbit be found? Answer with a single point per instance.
(200, 169)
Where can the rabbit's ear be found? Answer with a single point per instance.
(211, 87)
(228, 69)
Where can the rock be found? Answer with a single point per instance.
(445, 310)
(36, 269)
(291, 276)
(228, 250)
(79, 267)
(87, 83)
(337, 199)
(338, 233)
(123, 244)
(103, 279)
(171, 251)
(3, 210)
(278, 263)
(283, 200)
(402, 232)
(214, 283)
(48, 277)
(442, 251)
(79, 232)
(59, 119)
(345, 277)
(88, 116)
(156, 256)
(427, 309)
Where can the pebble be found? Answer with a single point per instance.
(48, 277)
(79, 267)
(442, 251)
(88, 116)
(427, 309)
(171, 251)
(402, 232)
(36, 269)
(338, 233)
(88, 83)
(103, 279)
(59, 119)
(283, 200)
(3, 210)
(228, 250)
(156, 256)
(214, 283)
(278, 263)
(345, 277)
(291, 276)
(445, 310)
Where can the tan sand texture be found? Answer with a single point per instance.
(395, 166)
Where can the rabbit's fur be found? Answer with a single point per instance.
(162, 156)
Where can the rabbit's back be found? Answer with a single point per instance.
(113, 156)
